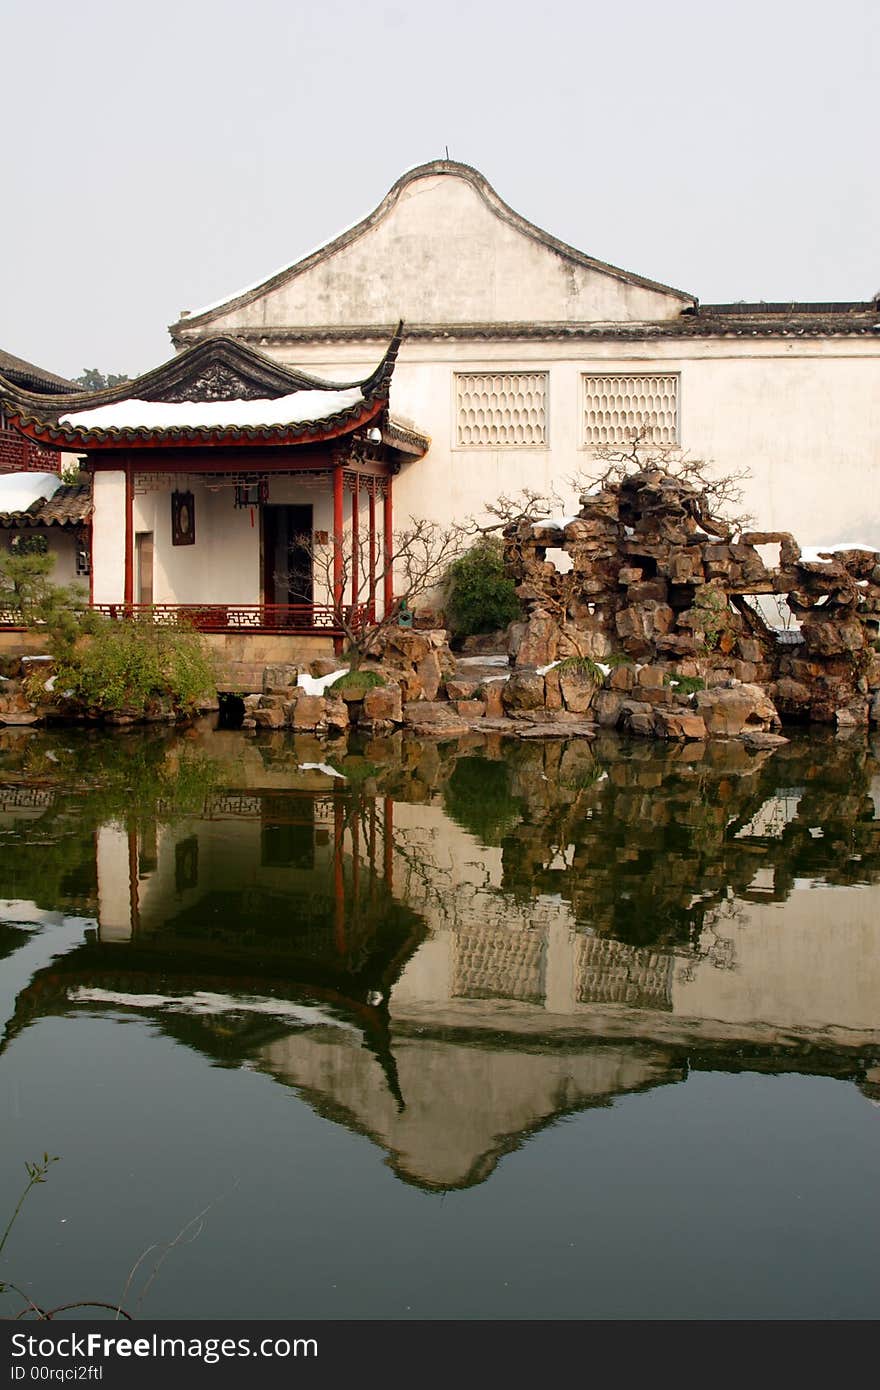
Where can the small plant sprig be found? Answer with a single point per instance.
(37, 1172)
(684, 685)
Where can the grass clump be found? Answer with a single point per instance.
(585, 666)
(357, 682)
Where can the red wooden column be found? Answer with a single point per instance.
(337, 537)
(338, 875)
(128, 592)
(372, 498)
(355, 866)
(388, 843)
(133, 891)
(355, 539)
(388, 547)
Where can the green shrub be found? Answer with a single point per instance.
(479, 596)
(111, 665)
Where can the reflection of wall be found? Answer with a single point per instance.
(114, 884)
(464, 1106)
(810, 962)
(191, 859)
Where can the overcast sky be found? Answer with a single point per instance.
(161, 156)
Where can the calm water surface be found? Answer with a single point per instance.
(479, 1029)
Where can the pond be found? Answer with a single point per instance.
(404, 1029)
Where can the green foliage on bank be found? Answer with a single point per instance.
(478, 594)
(130, 665)
(103, 665)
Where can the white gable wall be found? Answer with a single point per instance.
(801, 413)
(443, 255)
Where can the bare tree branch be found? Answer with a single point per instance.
(722, 493)
(418, 557)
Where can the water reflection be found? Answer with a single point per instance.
(446, 947)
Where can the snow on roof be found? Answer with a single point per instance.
(18, 491)
(163, 415)
(550, 523)
(814, 554)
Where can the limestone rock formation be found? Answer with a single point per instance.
(656, 580)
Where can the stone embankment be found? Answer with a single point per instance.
(422, 690)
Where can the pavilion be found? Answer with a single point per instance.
(230, 491)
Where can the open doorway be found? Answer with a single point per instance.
(144, 574)
(287, 555)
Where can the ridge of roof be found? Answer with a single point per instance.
(352, 233)
(708, 321)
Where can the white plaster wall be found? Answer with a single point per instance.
(108, 537)
(224, 565)
(443, 255)
(62, 547)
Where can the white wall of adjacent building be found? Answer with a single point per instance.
(801, 418)
(799, 411)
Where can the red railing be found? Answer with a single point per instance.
(245, 617)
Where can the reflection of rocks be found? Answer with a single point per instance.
(656, 840)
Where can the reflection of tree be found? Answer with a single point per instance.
(478, 796)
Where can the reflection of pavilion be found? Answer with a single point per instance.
(376, 959)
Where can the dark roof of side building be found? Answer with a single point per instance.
(33, 378)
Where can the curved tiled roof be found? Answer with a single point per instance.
(184, 386)
(25, 374)
(705, 321)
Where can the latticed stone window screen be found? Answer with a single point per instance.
(501, 410)
(619, 408)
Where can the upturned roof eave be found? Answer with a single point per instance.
(222, 349)
(28, 412)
